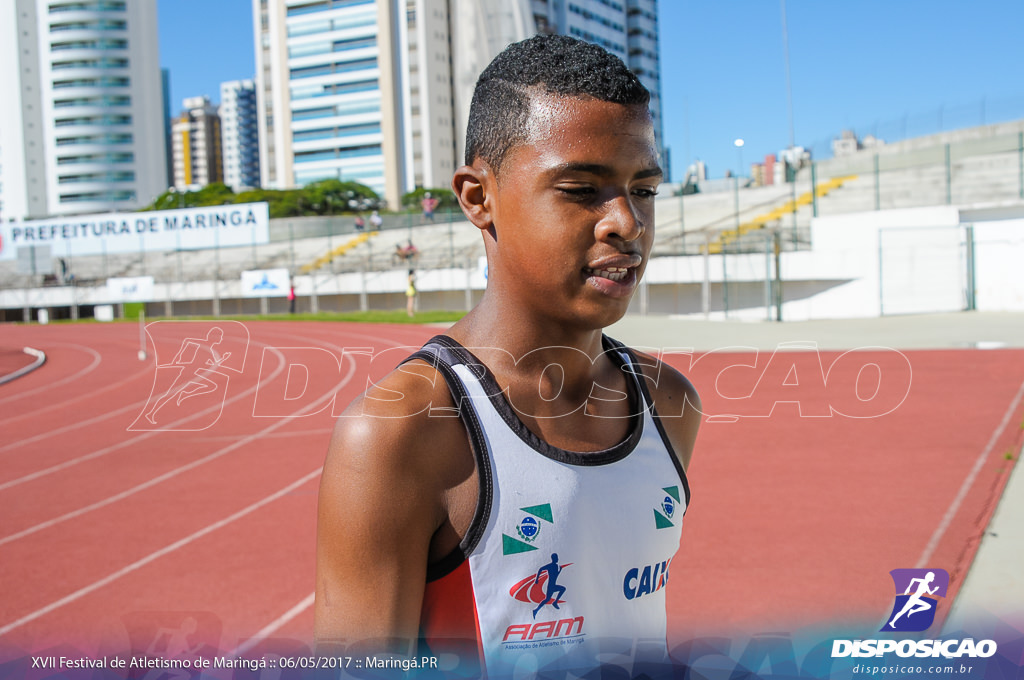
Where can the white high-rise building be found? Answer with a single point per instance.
(378, 91)
(81, 126)
(449, 44)
(328, 92)
(626, 28)
(239, 128)
(375, 91)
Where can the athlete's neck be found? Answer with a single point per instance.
(529, 346)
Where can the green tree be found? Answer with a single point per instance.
(326, 197)
(332, 196)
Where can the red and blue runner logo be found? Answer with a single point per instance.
(541, 588)
(917, 597)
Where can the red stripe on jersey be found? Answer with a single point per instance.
(448, 622)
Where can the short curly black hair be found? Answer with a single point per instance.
(552, 64)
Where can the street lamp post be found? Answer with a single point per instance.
(738, 143)
(739, 150)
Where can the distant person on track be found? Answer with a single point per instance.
(410, 295)
(523, 430)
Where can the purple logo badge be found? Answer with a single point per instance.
(917, 594)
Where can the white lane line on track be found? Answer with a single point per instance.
(96, 360)
(305, 433)
(274, 625)
(189, 466)
(64, 404)
(110, 578)
(954, 506)
(134, 440)
(73, 426)
(287, 419)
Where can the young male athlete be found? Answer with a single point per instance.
(523, 432)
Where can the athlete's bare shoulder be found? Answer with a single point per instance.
(398, 472)
(404, 430)
(676, 403)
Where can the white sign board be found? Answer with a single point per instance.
(265, 283)
(130, 289)
(222, 226)
(35, 260)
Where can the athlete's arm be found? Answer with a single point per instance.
(677, 404)
(379, 507)
(398, 492)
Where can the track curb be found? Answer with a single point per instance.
(25, 370)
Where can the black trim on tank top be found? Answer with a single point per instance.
(640, 379)
(504, 409)
(431, 353)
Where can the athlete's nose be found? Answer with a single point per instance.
(622, 220)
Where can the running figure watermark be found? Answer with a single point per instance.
(916, 603)
(189, 358)
(189, 390)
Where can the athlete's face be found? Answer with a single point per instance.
(573, 214)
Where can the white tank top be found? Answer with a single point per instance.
(567, 559)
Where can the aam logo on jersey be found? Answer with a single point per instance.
(534, 588)
(543, 589)
(917, 596)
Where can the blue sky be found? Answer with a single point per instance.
(888, 67)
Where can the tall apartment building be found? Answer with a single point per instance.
(449, 43)
(626, 28)
(378, 91)
(195, 145)
(239, 128)
(328, 92)
(81, 127)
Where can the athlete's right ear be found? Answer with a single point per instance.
(472, 186)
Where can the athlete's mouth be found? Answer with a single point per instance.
(611, 273)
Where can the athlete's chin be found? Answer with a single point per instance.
(601, 316)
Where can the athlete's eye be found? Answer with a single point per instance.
(578, 191)
(645, 193)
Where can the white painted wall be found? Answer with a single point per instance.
(999, 260)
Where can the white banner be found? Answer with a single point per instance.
(266, 283)
(130, 289)
(221, 226)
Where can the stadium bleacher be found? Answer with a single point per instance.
(967, 168)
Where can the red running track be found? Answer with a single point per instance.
(115, 534)
(13, 359)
